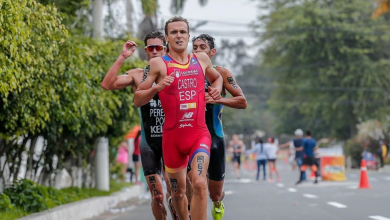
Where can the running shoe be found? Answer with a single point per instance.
(218, 210)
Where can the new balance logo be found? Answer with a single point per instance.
(187, 115)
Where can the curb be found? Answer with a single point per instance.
(87, 208)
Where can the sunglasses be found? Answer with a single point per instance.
(150, 48)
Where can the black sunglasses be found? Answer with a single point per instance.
(150, 48)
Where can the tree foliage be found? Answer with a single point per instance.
(50, 87)
(329, 63)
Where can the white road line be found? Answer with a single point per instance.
(377, 217)
(387, 178)
(228, 192)
(373, 179)
(310, 196)
(291, 190)
(280, 185)
(337, 205)
(353, 187)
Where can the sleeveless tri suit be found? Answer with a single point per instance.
(216, 169)
(185, 132)
(152, 120)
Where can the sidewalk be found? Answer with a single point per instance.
(87, 208)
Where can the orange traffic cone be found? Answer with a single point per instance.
(364, 184)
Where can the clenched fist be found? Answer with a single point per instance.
(126, 52)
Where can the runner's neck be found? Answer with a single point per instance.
(181, 58)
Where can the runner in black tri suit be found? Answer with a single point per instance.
(152, 117)
(216, 172)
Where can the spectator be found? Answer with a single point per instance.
(261, 157)
(123, 158)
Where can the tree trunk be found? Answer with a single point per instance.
(97, 19)
(129, 17)
(147, 25)
(29, 169)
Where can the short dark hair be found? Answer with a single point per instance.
(259, 140)
(206, 37)
(176, 19)
(308, 133)
(155, 34)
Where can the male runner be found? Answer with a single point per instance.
(152, 117)
(216, 172)
(180, 81)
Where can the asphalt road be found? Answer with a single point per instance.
(248, 199)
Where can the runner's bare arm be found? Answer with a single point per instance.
(112, 81)
(229, 83)
(213, 76)
(145, 92)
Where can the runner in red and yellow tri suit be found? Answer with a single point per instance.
(185, 130)
(179, 80)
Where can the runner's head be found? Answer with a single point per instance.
(123, 144)
(235, 137)
(177, 34)
(298, 132)
(308, 133)
(204, 43)
(271, 140)
(155, 44)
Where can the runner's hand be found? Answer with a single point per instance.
(214, 93)
(126, 52)
(167, 81)
(209, 99)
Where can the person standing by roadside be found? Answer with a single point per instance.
(123, 158)
(309, 145)
(261, 157)
(297, 143)
(237, 147)
(272, 151)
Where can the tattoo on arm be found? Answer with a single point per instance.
(232, 82)
(200, 160)
(174, 184)
(146, 71)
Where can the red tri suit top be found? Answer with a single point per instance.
(185, 132)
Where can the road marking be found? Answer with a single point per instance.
(373, 179)
(337, 205)
(239, 181)
(377, 217)
(291, 190)
(310, 196)
(353, 187)
(280, 185)
(387, 178)
(228, 192)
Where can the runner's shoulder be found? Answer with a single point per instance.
(156, 61)
(225, 72)
(202, 56)
(134, 72)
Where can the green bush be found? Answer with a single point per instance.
(5, 203)
(28, 196)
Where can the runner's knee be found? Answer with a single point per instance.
(177, 197)
(158, 199)
(199, 185)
